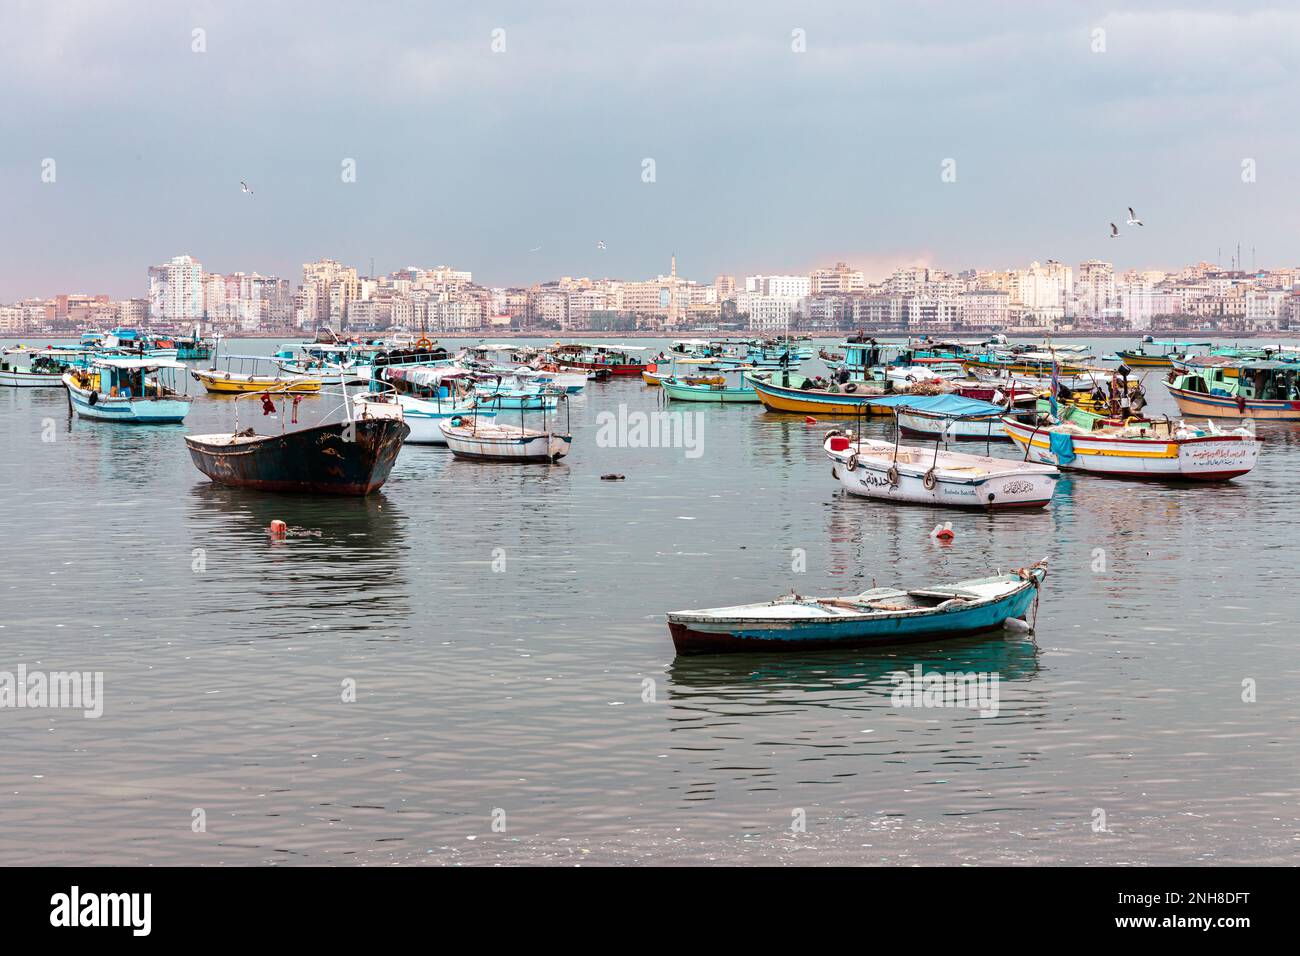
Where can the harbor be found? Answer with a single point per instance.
(365, 674)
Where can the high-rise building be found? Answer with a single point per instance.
(176, 291)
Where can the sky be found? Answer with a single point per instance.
(514, 163)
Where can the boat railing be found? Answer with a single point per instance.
(289, 400)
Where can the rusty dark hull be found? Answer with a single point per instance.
(339, 459)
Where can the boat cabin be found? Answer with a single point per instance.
(1264, 379)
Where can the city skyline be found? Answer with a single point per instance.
(1048, 297)
(516, 141)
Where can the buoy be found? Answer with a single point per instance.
(943, 532)
(279, 529)
(809, 420)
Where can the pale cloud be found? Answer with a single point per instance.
(766, 158)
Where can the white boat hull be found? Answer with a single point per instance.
(913, 475)
(504, 443)
(1206, 458)
(141, 411)
(15, 378)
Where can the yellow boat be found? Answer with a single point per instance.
(234, 383)
(794, 398)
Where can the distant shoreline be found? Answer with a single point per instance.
(1183, 335)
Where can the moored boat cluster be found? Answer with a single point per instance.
(1058, 408)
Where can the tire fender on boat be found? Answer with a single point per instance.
(929, 480)
(94, 398)
(892, 476)
(852, 463)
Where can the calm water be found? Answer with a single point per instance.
(501, 623)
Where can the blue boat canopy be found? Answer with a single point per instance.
(949, 406)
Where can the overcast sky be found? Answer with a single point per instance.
(765, 159)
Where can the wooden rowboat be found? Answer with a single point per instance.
(880, 616)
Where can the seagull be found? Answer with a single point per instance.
(535, 249)
(1114, 231)
(244, 187)
(1133, 220)
(600, 243)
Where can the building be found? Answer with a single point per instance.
(984, 309)
(767, 313)
(836, 280)
(176, 292)
(792, 287)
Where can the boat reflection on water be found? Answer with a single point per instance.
(732, 684)
(341, 566)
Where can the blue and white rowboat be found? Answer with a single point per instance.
(881, 616)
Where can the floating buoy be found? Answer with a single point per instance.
(943, 532)
(611, 477)
(809, 420)
(279, 529)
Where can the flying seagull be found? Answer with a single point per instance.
(600, 243)
(244, 187)
(535, 249)
(1133, 220)
(1114, 231)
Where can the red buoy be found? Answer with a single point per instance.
(279, 529)
(809, 420)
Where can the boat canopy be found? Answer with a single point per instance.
(947, 406)
(1181, 345)
(425, 375)
(139, 363)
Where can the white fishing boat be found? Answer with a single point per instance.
(891, 471)
(44, 368)
(1160, 449)
(482, 440)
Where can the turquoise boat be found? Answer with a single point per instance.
(724, 394)
(878, 617)
(121, 390)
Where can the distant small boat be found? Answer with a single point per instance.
(878, 617)
(121, 390)
(45, 367)
(715, 392)
(467, 437)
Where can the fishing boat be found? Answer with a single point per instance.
(714, 391)
(1153, 354)
(891, 471)
(881, 616)
(349, 457)
(611, 359)
(130, 390)
(1224, 387)
(193, 349)
(429, 396)
(470, 438)
(788, 392)
(226, 382)
(44, 368)
(1161, 449)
